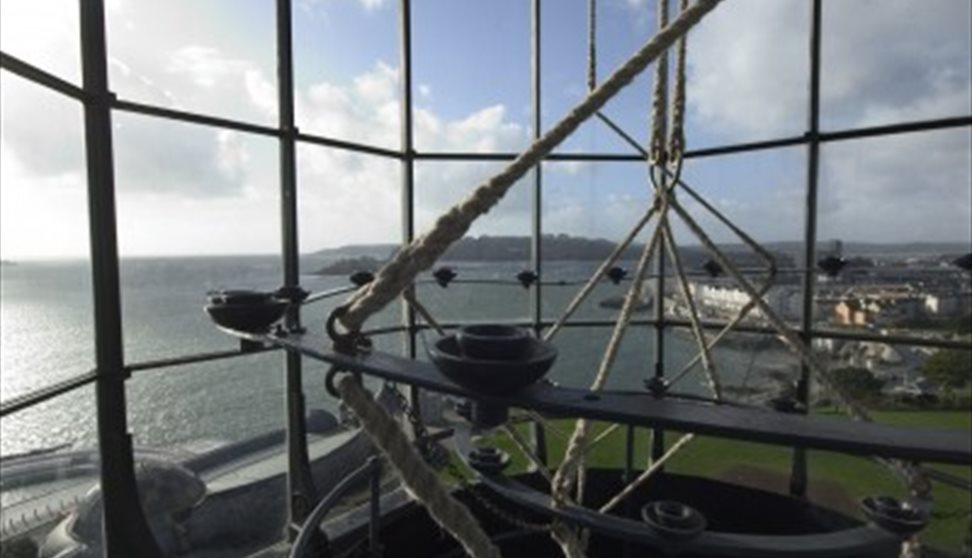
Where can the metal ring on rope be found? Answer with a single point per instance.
(351, 342)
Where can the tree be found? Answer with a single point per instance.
(859, 383)
(952, 368)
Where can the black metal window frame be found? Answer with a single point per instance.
(123, 535)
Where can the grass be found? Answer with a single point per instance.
(835, 480)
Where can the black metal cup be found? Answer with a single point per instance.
(494, 342)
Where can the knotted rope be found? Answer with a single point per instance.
(422, 253)
(418, 477)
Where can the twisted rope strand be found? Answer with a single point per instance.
(588, 287)
(426, 249)
(712, 376)
(644, 476)
(417, 476)
(659, 98)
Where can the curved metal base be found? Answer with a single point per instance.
(862, 540)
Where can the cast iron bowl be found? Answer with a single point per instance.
(494, 342)
(894, 515)
(493, 377)
(673, 520)
(249, 311)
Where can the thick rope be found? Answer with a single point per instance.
(676, 139)
(644, 476)
(417, 476)
(578, 440)
(450, 227)
(598, 274)
(659, 98)
(524, 447)
(712, 377)
(563, 534)
(591, 45)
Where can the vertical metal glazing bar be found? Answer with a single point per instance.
(125, 531)
(301, 491)
(658, 435)
(629, 476)
(798, 477)
(408, 174)
(374, 507)
(536, 246)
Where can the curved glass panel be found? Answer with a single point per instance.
(46, 302)
(44, 34)
(471, 73)
(910, 62)
(215, 57)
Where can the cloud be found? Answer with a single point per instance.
(883, 62)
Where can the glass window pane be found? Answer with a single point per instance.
(748, 73)
(43, 33)
(622, 28)
(50, 465)
(215, 433)
(350, 219)
(346, 93)
(216, 57)
(909, 62)
(198, 210)
(495, 249)
(46, 297)
(472, 75)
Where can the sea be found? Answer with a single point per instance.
(48, 336)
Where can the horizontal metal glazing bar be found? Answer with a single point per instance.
(249, 127)
(899, 128)
(28, 400)
(348, 145)
(194, 359)
(775, 143)
(331, 293)
(34, 74)
(194, 118)
(741, 328)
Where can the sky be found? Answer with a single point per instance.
(191, 190)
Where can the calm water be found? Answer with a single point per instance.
(47, 336)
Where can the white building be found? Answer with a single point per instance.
(726, 299)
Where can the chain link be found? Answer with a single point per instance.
(437, 456)
(473, 490)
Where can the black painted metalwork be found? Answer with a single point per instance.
(537, 434)
(301, 491)
(644, 409)
(34, 74)
(304, 542)
(125, 530)
(798, 473)
(866, 540)
(32, 398)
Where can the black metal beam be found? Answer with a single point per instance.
(193, 118)
(798, 470)
(408, 189)
(865, 540)
(32, 398)
(537, 433)
(34, 74)
(125, 530)
(301, 491)
(646, 410)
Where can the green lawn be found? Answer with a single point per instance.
(835, 480)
